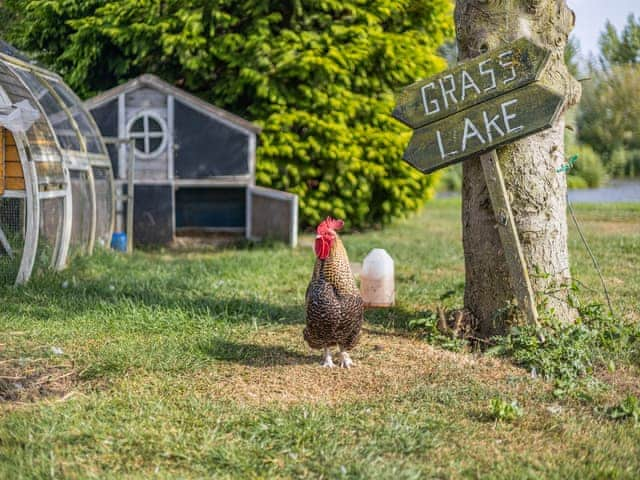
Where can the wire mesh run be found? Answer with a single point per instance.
(81, 217)
(104, 202)
(51, 215)
(12, 225)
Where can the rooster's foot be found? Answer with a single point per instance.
(345, 360)
(327, 362)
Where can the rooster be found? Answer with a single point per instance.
(333, 303)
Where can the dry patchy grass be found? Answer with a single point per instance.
(277, 367)
(191, 364)
(613, 228)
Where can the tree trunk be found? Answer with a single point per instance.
(536, 190)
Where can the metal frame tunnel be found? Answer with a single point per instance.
(56, 183)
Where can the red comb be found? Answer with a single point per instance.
(329, 224)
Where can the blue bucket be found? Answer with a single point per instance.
(119, 241)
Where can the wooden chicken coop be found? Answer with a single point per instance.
(56, 184)
(194, 166)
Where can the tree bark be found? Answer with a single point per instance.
(537, 191)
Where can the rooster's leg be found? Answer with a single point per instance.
(326, 360)
(345, 359)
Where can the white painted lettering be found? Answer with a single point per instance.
(489, 124)
(443, 154)
(426, 101)
(470, 131)
(440, 146)
(467, 83)
(509, 63)
(449, 92)
(488, 72)
(506, 117)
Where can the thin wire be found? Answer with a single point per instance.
(593, 258)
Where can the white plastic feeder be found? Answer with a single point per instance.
(377, 284)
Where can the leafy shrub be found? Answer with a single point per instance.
(609, 115)
(588, 166)
(575, 183)
(628, 408)
(617, 163)
(572, 351)
(452, 178)
(504, 411)
(319, 77)
(624, 163)
(633, 164)
(428, 327)
(565, 352)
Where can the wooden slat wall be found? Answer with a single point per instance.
(11, 175)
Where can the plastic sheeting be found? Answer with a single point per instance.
(106, 116)
(42, 144)
(58, 118)
(104, 205)
(90, 135)
(82, 210)
(18, 117)
(51, 215)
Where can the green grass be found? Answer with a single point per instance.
(191, 365)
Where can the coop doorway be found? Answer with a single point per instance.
(206, 209)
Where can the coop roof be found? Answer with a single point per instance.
(152, 81)
(34, 90)
(12, 51)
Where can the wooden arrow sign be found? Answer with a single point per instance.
(484, 127)
(476, 81)
(474, 108)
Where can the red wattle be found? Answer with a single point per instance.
(322, 248)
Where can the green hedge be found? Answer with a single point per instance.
(575, 183)
(318, 75)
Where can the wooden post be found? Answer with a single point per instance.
(130, 190)
(130, 165)
(516, 263)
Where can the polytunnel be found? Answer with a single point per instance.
(56, 184)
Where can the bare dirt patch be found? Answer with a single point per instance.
(30, 380)
(199, 240)
(276, 366)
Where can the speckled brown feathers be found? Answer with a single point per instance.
(334, 307)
